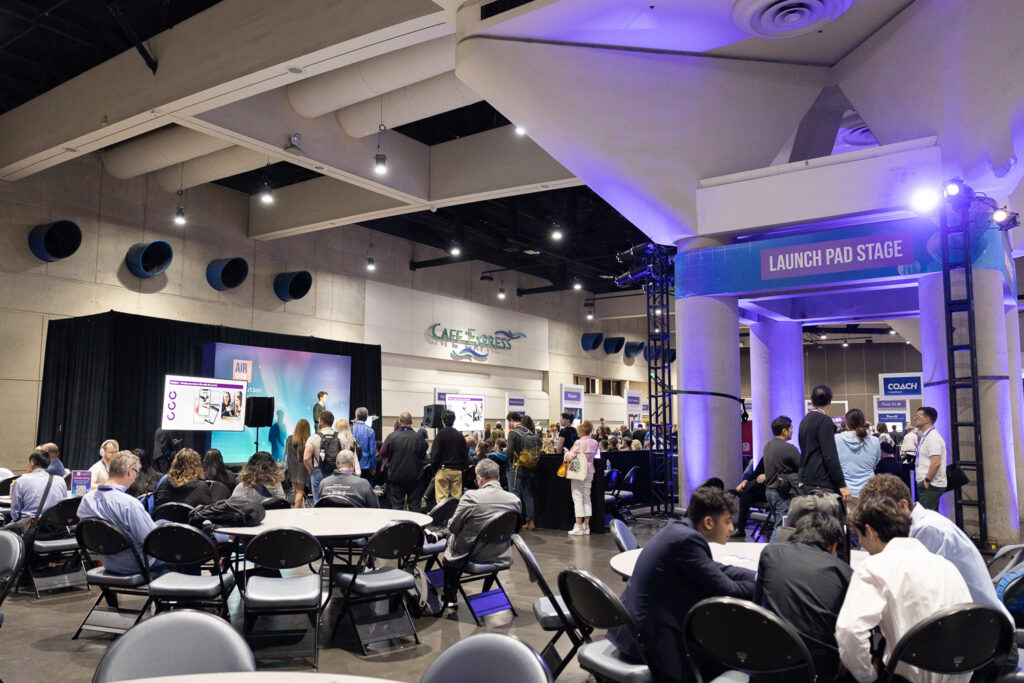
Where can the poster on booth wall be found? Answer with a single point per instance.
(514, 402)
(894, 412)
(80, 482)
(634, 399)
(900, 385)
(571, 401)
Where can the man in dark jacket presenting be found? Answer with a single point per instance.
(405, 453)
(819, 460)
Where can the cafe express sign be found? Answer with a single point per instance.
(473, 342)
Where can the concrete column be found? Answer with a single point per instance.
(994, 395)
(776, 376)
(1016, 397)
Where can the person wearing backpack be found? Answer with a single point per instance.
(523, 453)
(321, 446)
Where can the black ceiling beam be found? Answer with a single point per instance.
(45, 20)
(126, 26)
(542, 290)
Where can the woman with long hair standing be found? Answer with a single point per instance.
(297, 473)
(348, 441)
(583, 449)
(859, 452)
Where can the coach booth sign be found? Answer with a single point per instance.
(900, 385)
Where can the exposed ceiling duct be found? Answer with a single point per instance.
(210, 167)
(414, 102)
(159, 149)
(370, 78)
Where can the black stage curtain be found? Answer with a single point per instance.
(103, 376)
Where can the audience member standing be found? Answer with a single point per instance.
(348, 442)
(27, 490)
(449, 454)
(805, 583)
(898, 587)
(315, 448)
(165, 445)
(294, 449)
(673, 573)
(586, 449)
(523, 449)
(819, 460)
(859, 452)
(100, 470)
(931, 459)
(367, 440)
(781, 459)
(405, 454)
(567, 435)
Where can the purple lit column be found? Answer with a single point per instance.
(707, 334)
(1016, 395)
(776, 376)
(994, 395)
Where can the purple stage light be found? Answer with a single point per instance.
(925, 200)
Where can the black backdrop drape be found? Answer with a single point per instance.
(103, 376)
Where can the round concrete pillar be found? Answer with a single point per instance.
(776, 377)
(1016, 398)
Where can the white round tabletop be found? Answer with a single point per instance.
(735, 553)
(5, 500)
(262, 677)
(329, 522)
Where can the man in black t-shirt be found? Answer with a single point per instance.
(780, 458)
(567, 435)
(819, 460)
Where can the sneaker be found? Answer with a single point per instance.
(576, 531)
(586, 531)
(451, 604)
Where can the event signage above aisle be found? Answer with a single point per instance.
(571, 401)
(892, 411)
(894, 384)
(515, 402)
(901, 249)
(634, 398)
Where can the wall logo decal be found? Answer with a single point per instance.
(475, 346)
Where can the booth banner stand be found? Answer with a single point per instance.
(514, 401)
(571, 401)
(892, 411)
(634, 398)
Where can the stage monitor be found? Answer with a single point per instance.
(203, 404)
(292, 378)
(469, 411)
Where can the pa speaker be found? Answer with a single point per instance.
(259, 411)
(432, 415)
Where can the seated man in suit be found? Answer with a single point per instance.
(804, 583)
(346, 484)
(673, 573)
(476, 508)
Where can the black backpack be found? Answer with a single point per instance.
(330, 446)
(228, 512)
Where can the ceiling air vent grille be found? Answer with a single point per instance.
(786, 18)
(498, 6)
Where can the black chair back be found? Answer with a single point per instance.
(756, 640)
(284, 548)
(180, 544)
(536, 575)
(63, 513)
(713, 483)
(630, 478)
(5, 486)
(514, 659)
(611, 480)
(273, 503)
(624, 537)
(334, 502)
(941, 643)
(500, 529)
(595, 605)
(12, 559)
(100, 537)
(67, 480)
(395, 541)
(442, 513)
(218, 490)
(1013, 591)
(172, 512)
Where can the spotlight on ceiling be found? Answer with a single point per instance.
(455, 250)
(589, 308)
(845, 344)
(952, 188)
(486, 277)
(556, 234)
(292, 146)
(924, 200)
(1005, 218)
(370, 264)
(577, 285)
(501, 292)
(823, 336)
(380, 163)
(892, 331)
(267, 195)
(957, 194)
(179, 216)
(520, 130)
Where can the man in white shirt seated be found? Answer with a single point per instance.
(100, 470)
(898, 587)
(27, 490)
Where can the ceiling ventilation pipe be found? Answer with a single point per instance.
(372, 77)
(412, 103)
(159, 149)
(210, 167)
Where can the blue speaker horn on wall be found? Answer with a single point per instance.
(614, 344)
(591, 341)
(55, 241)
(634, 349)
(227, 273)
(149, 259)
(293, 285)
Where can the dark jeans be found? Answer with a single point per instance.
(452, 571)
(751, 494)
(929, 497)
(524, 489)
(399, 492)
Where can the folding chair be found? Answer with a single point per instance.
(103, 538)
(623, 496)
(497, 532)
(624, 537)
(274, 503)
(508, 660)
(396, 541)
(172, 512)
(440, 515)
(57, 563)
(551, 613)
(180, 546)
(12, 558)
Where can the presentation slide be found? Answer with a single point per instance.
(202, 404)
(469, 411)
(293, 378)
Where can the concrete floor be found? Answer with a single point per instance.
(35, 641)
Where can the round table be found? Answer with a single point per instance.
(5, 500)
(737, 554)
(329, 522)
(262, 677)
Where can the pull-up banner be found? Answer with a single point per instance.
(895, 250)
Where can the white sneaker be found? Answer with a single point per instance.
(586, 531)
(576, 531)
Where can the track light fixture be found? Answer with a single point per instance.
(370, 264)
(520, 130)
(179, 214)
(501, 291)
(455, 250)
(892, 331)
(1005, 218)
(588, 308)
(267, 195)
(380, 159)
(556, 234)
(577, 285)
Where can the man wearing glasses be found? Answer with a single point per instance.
(111, 503)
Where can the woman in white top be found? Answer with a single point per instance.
(588, 448)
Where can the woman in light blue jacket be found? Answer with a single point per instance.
(859, 452)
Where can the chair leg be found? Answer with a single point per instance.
(507, 599)
(91, 608)
(469, 604)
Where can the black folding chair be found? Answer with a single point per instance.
(611, 481)
(5, 485)
(172, 512)
(624, 496)
(756, 641)
(957, 640)
(184, 546)
(103, 538)
(593, 604)
(274, 503)
(334, 502)
(497, 532)
(507, 659)
(623, 535)
(396, 541)
(56, 563)
(12, 558)
(551, 613)
(283, 548)
(440, 515)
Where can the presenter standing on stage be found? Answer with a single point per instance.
(319, 406)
